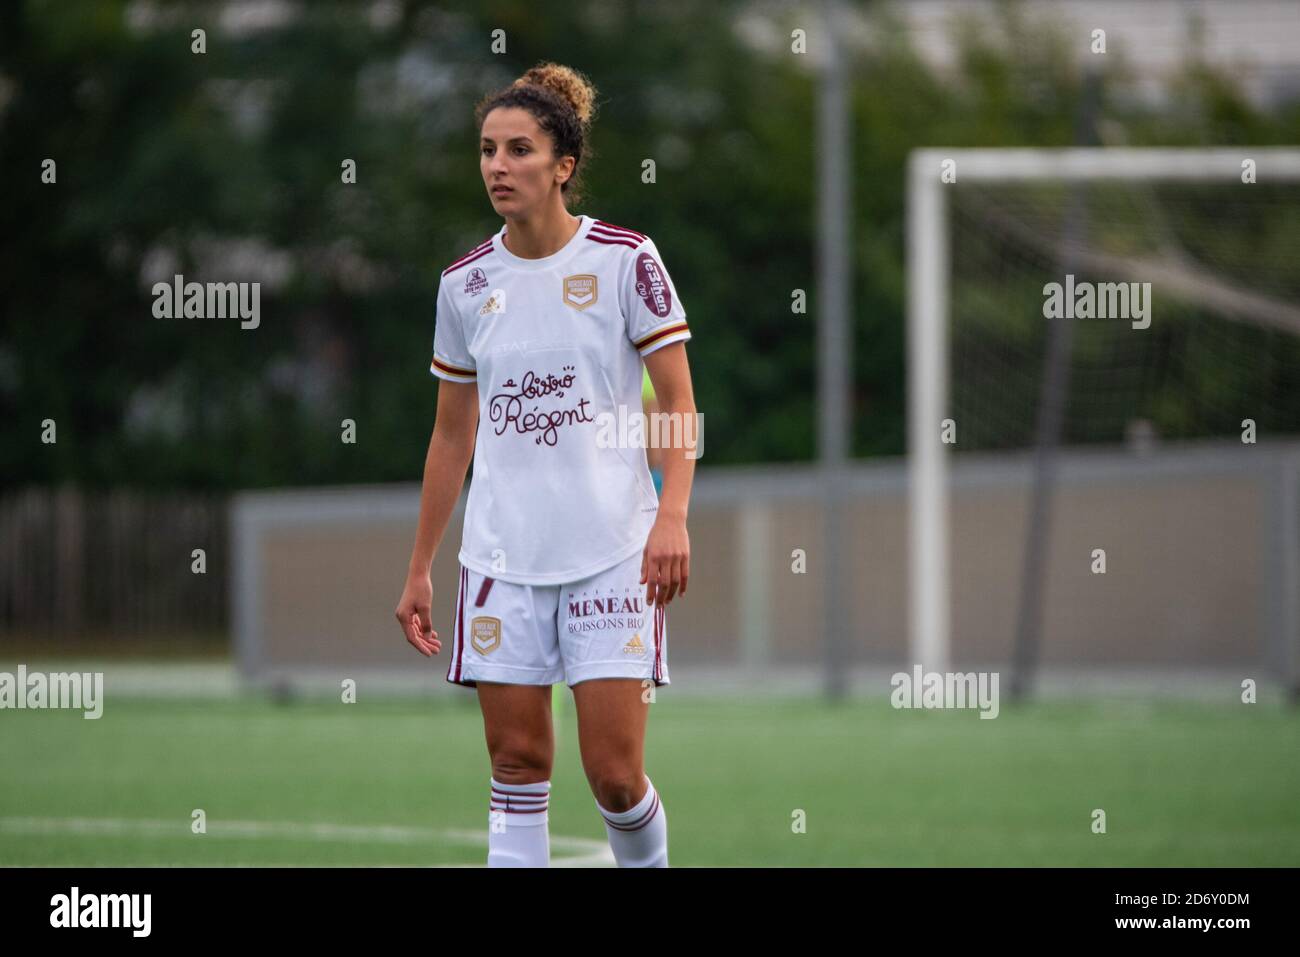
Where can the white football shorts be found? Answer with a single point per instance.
(599, 627)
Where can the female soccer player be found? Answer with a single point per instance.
(569, 557)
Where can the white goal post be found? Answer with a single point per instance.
(928, 280)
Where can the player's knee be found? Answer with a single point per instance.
(521, 764)
(618, 789)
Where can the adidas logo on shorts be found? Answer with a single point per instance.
(634, 646)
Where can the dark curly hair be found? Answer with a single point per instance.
(563, 101)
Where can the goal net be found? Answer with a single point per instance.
(1104, 394)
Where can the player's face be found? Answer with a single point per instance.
(515, 152)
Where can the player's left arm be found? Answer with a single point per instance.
(665, 566)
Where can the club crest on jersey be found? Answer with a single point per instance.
(652, 286)
(485, 634)
(475, 282)
(495, 302)
(580, 291)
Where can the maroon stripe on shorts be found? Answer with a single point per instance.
(659, 638)
(460, 620)
(654, 631)
(483, 592)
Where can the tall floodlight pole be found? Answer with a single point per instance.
(834, 344)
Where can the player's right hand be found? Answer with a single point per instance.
(413, 615)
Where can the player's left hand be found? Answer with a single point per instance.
(666, 561)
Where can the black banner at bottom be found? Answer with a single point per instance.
(333, 905)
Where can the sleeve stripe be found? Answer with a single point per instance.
(451, 378)
(658, 334)
(447, 369)
(682, 336)
(478, 252)
(597, 238)
(612, 229)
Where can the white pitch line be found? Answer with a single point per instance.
(586, 852)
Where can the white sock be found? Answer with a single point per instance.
(638, 836)
(517, 825)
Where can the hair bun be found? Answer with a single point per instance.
(567, 83)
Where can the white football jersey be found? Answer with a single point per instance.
(555, 346)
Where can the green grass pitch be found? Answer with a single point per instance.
(404, 782)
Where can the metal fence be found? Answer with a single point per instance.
(115, 565)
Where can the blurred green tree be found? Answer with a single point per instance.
(226, 165)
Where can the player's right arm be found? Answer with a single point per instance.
(451, 448)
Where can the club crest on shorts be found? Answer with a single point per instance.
(485, 634)
(580, 290)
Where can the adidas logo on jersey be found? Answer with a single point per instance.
(495, 302)
(634, 646)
